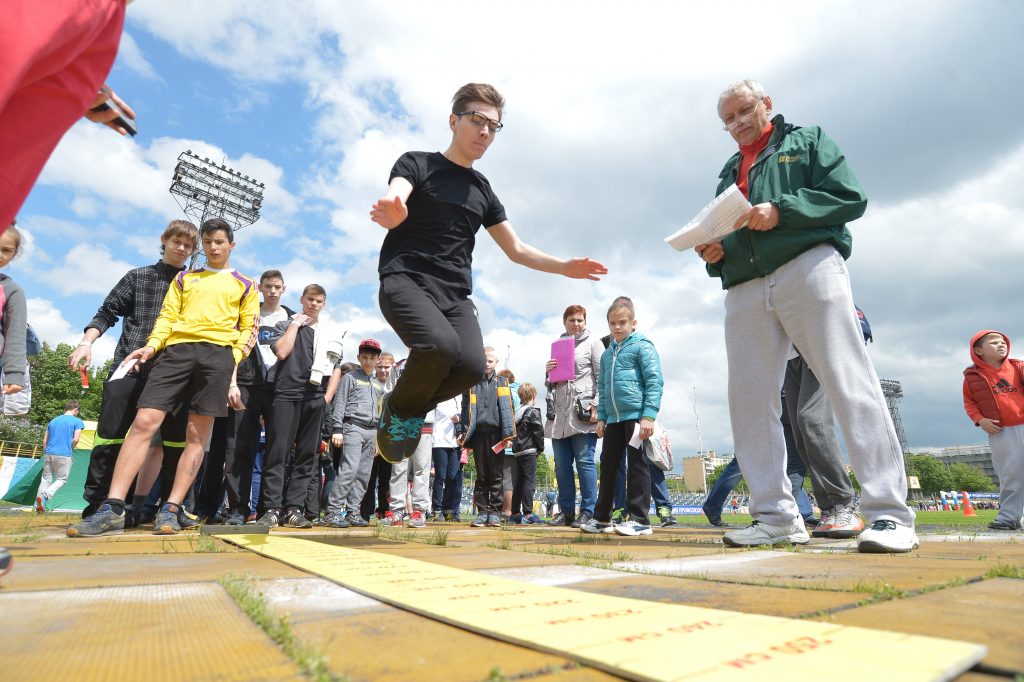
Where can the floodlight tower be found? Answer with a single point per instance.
(893, 391)
(206, 189)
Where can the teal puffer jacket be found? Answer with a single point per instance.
(631, 382)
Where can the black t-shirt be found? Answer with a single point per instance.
(434, 246)
(293, 372)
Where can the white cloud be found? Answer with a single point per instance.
(87, 269)
(52, 328)
(131, 56)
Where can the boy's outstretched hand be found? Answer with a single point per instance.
(389, 213)
(583, 268)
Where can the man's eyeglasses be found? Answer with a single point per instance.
(745, 115)
(479, 120)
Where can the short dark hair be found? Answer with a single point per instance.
(271, 274)
(347, 367)
(217, 225)
(477, 92)
(313, 289)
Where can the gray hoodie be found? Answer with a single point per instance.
(14, 329)
(356, 400)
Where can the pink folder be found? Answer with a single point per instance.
(564, 351)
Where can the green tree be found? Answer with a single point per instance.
(713, 477)
(931, 472)
(970, 478)
(545, 471)
(54, 383)
(676, 485)
(20, 430)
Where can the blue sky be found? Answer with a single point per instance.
(611, 143)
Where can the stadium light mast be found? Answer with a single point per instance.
(205, 189)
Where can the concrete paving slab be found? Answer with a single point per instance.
(855, 572)
(771, 601)
(50, 573)
(167, 632)
(988, 612)
(186, 543)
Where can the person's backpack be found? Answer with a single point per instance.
(658, 449)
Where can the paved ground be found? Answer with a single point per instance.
(140, 607)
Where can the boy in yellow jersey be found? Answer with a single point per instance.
(206, 326)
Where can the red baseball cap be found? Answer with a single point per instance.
(369, 344)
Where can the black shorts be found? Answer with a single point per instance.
(202, 369)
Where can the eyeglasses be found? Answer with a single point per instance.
(745, 115)
(479, 120)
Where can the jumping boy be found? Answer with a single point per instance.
(434, 206)
(994, 400)
(205, 328)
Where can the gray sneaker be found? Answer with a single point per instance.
(481, 520)
(335, 520)
(356, 520)
(103, 522)
(269, 519)
(494, 520)
(416, 520)
(166, 521)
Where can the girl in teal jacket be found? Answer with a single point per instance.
(630, 385)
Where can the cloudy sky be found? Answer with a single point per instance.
(611, 143)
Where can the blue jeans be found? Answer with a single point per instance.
(731, 475)
(257, 477)
(447, 470)
(578, 448)
(659, 488)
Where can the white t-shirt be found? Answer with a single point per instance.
(266, 333)
(444, 427)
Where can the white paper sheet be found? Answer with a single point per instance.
(635, 441)
(713, 222)
(123, 369)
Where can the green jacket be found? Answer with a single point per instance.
(804, 173)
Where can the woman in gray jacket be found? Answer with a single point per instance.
(574, 438)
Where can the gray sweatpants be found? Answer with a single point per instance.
(420, 463)
(1008, 461)
(354, 471)
(814, 430)
(56, 469)
(807, 303)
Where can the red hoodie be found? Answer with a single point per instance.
(994, 393)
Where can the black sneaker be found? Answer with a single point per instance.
(295, 519)
(269, 519)
(356, 520)
(619, 516)
(103, 522)
(335, 520)
(715, 519)
(235, 519)
(562, 519)
(148, 513)
(187, 520)
(391, 433)
(166, 521)
(1004, 525)
(665, 514)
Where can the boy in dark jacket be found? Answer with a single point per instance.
(994, 400)
(630, 386)
(489, 420)
(528, 443)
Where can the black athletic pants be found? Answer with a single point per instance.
(638, 477)
(296, 422)
(487, 493)
(524, 477)
(243, 442)
(446, 354)
(117, 412)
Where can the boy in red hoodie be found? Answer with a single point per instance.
(994, 400)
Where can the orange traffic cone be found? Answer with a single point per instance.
(967, 506)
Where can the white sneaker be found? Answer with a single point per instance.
(594, 526)
(759, 533)
(885, 535)
(633, 528)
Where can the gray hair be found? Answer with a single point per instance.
(750, 85)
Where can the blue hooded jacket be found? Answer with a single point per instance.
(631, 382)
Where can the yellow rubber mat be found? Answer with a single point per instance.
(635, 639)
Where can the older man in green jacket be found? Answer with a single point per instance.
(787, 283)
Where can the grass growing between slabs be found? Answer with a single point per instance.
(310, 659)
